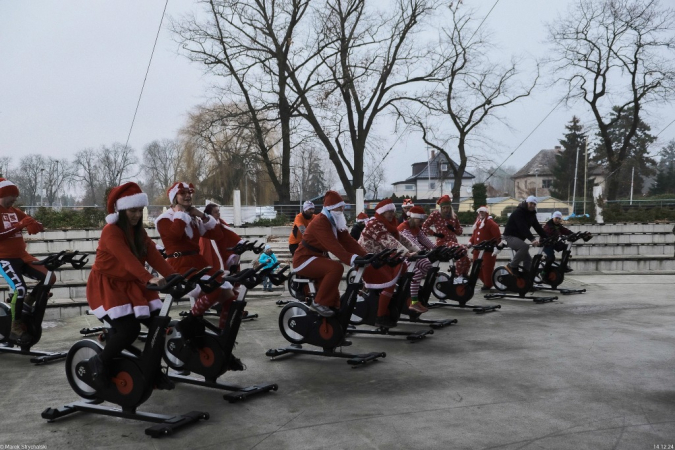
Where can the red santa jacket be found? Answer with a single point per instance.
(216, 252)
(437, 224)
(322, 237)
(488, 230)
(180, 233)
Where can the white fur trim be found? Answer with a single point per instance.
(174, 190)
(220, 258)
(6, 183)
(417, 216)
(139, 200)
(177, 215)
(210, 224)
(303, 265)
(385, 208)
(483, 209)
(351, 262)
(337, 205)
(112, 218)
(387, 284)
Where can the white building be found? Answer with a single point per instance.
(432, 179)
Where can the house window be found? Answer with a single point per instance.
(409, 187)
(432, 185)
(546, 184)
(444, 167)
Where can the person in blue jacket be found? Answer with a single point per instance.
(267, 259)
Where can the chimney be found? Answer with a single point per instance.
(557, 147)
(433, 154)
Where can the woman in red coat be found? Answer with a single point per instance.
(116, 288)
(483, 230)
(216, 252)
(180, 228)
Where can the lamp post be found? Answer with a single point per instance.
(42, 187)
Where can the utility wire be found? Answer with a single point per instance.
(146, 73)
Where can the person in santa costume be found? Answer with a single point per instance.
(412, 230)
(485, 229)
(300, 225)
(381, 233)
(116, 287)
(216, 252)
(15, 262)
(359, 225)
(180, 228)
(327, 232)
(405, 208)
(445, 226)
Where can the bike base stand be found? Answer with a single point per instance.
(352, 358)
(238, 392)
(520, 297)
(40, 356)
(478, 309)
(433, 323)
(563, 291)
(166, 424)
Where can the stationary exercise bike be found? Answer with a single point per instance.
(238, 249)
(367, 304)
(34, 314)
(133, 373)
(443, 285)
(210, 354)
(523, 281)
(300, 325)
(553, 273)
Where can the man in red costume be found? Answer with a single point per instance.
(180, 229)
(445, 225)
(485, 229)
(15, 262)
(327, 232)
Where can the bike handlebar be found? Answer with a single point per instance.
(56, 260)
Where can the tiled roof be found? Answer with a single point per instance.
(432, 170)
(545, 159)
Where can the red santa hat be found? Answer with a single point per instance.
(332, 200)
(127, 196)
(445, 200)
(177, 186)
(483, 209)
(407, 203)
(362, 217)
(7, 189)
(384, 206)
(417, 212)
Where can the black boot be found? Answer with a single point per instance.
(98, 372)
(191, 326)
(235, 364)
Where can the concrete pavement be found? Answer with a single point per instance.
(591, 371)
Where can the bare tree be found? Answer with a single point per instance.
(230, 157)
(117, 163)
(309, 174)
(364, 58)
(161, 165)
(5, 163)
(249, 42)
(58, 173)
(474, 90)
(29, 178)
(88, 171)
(615, 52)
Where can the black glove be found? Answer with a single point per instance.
(439, 235)
(451, 228)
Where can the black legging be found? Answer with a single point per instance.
(123, 332)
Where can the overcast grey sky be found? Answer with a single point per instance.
(71, 72)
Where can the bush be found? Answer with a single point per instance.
(279, 221)
(71, 218)
(617, 213)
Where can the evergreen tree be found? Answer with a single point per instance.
(566, 162)
(665, 180)
(637, 156)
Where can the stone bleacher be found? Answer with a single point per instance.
(615, 248)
